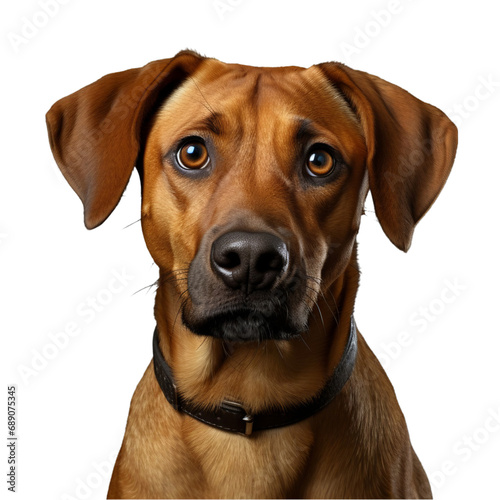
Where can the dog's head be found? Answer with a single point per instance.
(254, 179)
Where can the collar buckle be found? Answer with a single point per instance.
(248, 418)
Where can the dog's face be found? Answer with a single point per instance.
(266, 170)
(253, 178)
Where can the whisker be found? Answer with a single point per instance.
(336, 306)
(312, 289)
(313, 278)
(171, 279)
(321, 316)
(175, 272)
(207, 105)
(320, 281)
(278, 349)
(183, 303)
(132, 223)
(147, 286)
(202, 342)
(174, 275)
(357, 269)
(328, 305)
(180, 296)
(304, 341)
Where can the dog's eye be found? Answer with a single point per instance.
(320, 162)
(193, 155)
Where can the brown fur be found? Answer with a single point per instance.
(397, 146)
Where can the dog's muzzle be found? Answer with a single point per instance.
(247, 291)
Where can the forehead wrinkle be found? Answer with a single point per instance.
(304, 129)
(254, 95)
(214, 123)
(307, 129)
(319, 83)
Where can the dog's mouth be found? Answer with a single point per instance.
(243, 324)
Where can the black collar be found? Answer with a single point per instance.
(232, 416)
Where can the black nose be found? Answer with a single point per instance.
(249, 261)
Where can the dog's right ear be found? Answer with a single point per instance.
(95, 133)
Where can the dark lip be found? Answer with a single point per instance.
(242, 324)
(237, 301)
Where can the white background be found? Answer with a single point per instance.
(72, 413)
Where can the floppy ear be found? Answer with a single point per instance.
(411, 147)
(95, 133)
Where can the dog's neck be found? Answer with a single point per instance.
(261, 374)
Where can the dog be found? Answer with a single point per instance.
(253, 187)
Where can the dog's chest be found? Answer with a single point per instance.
(265, 465)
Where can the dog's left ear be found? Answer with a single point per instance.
(96, 133)
(411, 146)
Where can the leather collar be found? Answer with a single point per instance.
(233, 417)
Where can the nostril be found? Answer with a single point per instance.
(229, 260)
(269, 261)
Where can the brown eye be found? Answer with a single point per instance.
(193, 155)
(320, 162)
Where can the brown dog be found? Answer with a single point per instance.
(253, 184)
